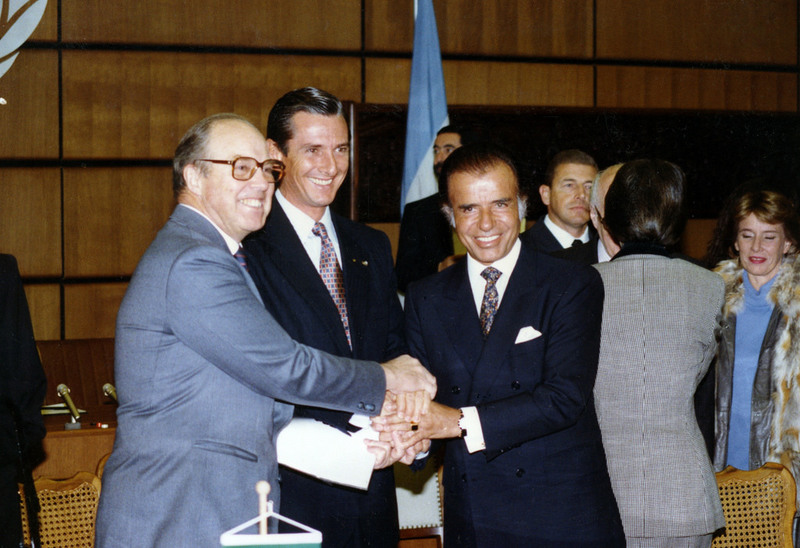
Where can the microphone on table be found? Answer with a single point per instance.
(63, 391)
(109, 391)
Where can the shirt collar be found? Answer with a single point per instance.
(505, 265)
(565, 238)
(301, 222)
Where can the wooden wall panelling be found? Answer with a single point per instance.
(29, 120)
(139, 104)
(386, 81)
(47, 30)
(306, 24)
(90, 310)
(551, 28)
(44, 303)
(698, 89)
(110, 217)
(30, 219)
(698, 30)
(389, 25)
(487, 83)
(497, 83)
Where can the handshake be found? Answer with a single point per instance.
(409, 418)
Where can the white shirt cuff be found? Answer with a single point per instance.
(472, 424)
(421, 455)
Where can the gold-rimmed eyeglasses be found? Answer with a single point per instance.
(243, 168)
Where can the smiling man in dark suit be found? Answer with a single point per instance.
(512, 336)
(362, 318)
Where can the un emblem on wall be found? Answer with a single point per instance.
(18, 19)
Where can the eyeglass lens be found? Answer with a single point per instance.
(244, 169)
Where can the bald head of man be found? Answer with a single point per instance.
(600, 186)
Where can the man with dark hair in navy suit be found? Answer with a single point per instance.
(307, 130)
(512, 336)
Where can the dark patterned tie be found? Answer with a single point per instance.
(242, 258)
(331, 275)
(490, 298)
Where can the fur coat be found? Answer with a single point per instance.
(784, 442)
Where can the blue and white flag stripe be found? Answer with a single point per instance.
(427, 108)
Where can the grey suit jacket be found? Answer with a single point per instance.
(657, 340)
(199, 365)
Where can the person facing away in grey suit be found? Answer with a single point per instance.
(200, 364)
(659, 317)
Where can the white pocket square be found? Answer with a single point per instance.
(526, 334)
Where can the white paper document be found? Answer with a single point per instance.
(324, 452)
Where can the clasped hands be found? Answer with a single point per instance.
(407, 423)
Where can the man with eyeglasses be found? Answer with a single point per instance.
(302, 245)
(199, 363)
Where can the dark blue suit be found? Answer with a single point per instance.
(294, 293)
(540, 238)
(542, 479)
(425, 240)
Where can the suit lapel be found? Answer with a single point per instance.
(355, 268)
(458, 316)
(517, 301)
(202, 226)
(288, 255)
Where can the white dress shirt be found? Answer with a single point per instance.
(303, 224)
(564, 237)
(471, 421)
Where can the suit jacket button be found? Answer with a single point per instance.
(519, 472)
(515, 385)
(455, 389)
(370, 407)
(361, 405)
(464, 478)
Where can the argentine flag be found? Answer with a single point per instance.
(427, 108)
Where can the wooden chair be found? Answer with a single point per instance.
(759, 507)
(68, 511)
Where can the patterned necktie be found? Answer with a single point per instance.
(242, 258)
(490, 298)
(332, 276)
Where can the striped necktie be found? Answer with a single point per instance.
(242, 258)
(332, 276)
